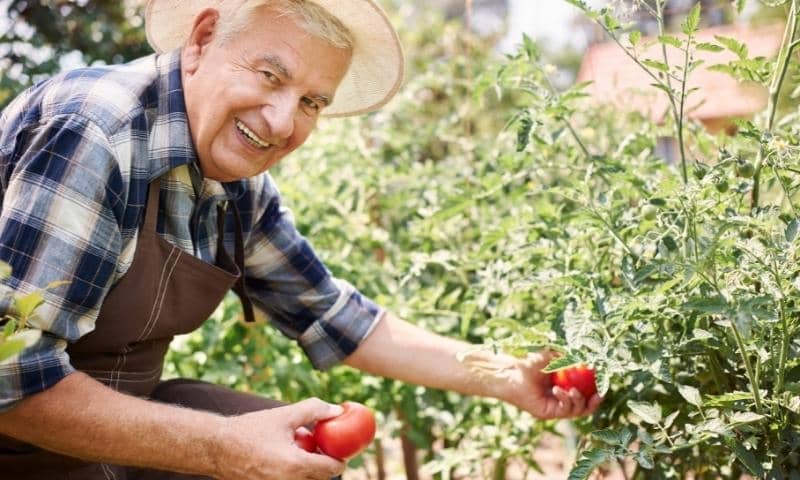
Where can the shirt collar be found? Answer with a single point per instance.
(171, 142)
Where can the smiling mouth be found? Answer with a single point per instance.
(251, 137)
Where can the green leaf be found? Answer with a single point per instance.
(700, 334)
(9, 348)
(728, 399)
(692, 22)
(611, 23)
(670, 40)
(608, 436)
(561, 363)
(588, 463)
(644, 437)
(581, 4)
(524, 133)
(660, 66)
(709, 47)
(691, 395)
(715, 304)
(747, 458)
(740, 4)
(648, 412)
(26, 304)
(466, 317)
(645, 459)
(671, 418)
(9, 328)
(5, 270)
(634, 37)
(791, 230)
(745, 417)
(735, 46)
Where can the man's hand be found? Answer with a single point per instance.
(260, 445)
(531, 389)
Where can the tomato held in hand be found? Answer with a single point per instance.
(580, 377)
(348, 434)
(305, 439)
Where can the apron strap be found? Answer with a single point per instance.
(238, 255)
(151, 209)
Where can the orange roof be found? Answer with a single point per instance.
(619, 81)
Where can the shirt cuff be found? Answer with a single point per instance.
(341, 329)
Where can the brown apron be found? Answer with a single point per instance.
(165, 292)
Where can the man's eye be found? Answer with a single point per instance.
(311, 105)
(271, 77)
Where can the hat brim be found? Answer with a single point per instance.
(376, 67)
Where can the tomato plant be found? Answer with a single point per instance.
(580, 377)
(547, 237)
(348, 434)
(305, 439)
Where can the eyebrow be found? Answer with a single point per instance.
(278, 65)
(324, 99)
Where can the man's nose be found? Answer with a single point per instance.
(280, 114)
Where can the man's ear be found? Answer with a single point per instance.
(203, 33)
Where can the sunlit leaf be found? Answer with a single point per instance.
(648, 412)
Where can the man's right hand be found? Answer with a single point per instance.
(260, 445)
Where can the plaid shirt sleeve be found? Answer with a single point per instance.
(59, 223)
(326, 315)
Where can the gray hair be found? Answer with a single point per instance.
(314, 19)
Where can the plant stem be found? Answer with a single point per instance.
(747, 365)
(500, 465)
(740, 343)
(784, 351)
(677, 112)
(781, 66)
(564, 119)
(787, 195)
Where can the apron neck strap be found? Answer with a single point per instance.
(151, 209)
(238, 256)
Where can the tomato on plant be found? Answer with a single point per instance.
(305, 439)
(649, 212)
(745, 169)
(580, 377)
(348, 434)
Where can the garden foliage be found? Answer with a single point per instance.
(566, 229)
(485, 204)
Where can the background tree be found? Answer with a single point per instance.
(39, 36)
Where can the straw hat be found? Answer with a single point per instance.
(376, 68)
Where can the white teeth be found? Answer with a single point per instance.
(251, 136)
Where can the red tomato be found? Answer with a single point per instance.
(348, 434)
(305, 439)
(580, 377)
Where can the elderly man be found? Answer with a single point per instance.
(133, 183)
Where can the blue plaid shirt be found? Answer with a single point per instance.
(77, 153)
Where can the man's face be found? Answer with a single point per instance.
(256, 97)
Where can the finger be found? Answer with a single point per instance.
(322, 466)
(310, 411)
(561, 394)
(577, 402)
(594, 403)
